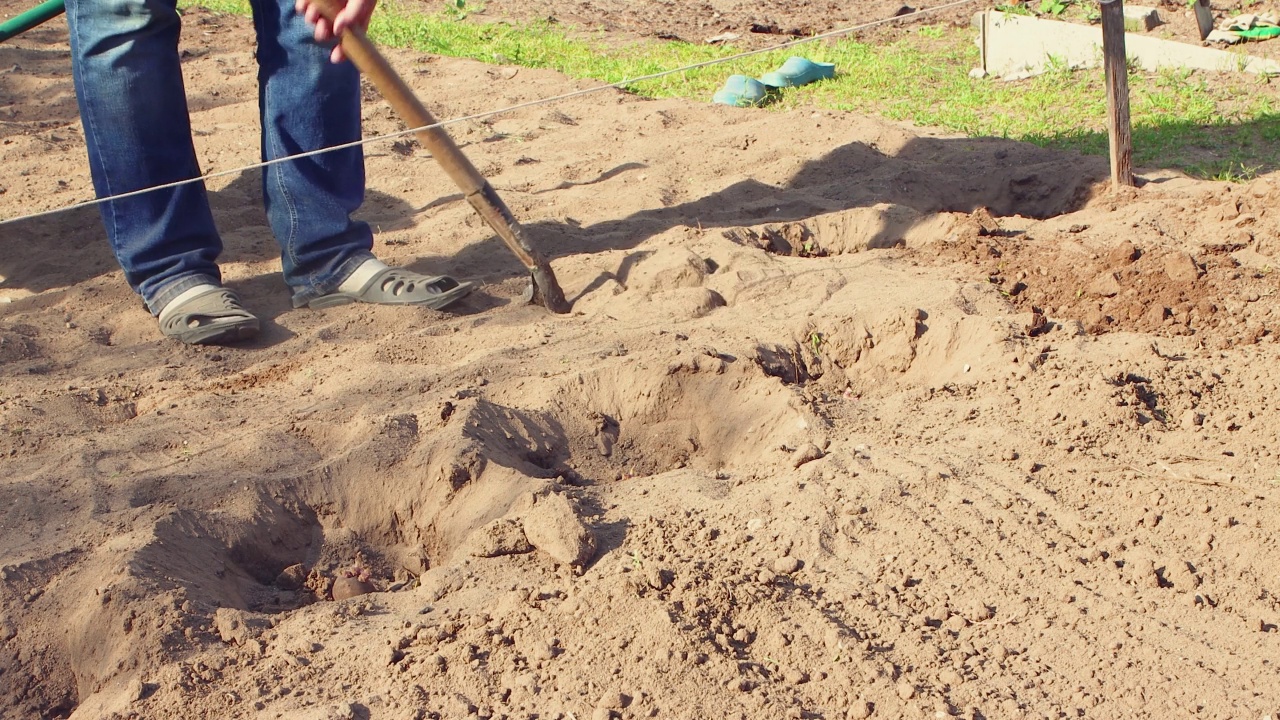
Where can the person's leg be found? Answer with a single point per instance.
(129, 85)
(309, 103)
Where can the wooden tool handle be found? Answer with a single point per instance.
(474, 187)
(392, 87)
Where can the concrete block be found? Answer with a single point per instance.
(1140, 19)
(1017, 46)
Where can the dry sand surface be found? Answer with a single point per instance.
(850, 419)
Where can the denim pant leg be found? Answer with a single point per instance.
(128, 81)
(308, 103)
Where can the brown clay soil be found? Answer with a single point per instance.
(849, 419)
(755, 24)
(766, 23)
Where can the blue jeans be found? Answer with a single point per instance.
(128, 81)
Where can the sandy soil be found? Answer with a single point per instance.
(850, 419)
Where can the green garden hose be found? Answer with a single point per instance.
(44, 11)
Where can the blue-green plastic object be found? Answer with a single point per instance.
(741, 91)
(798, 71)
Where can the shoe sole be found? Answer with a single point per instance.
(222, 335)
(438, 301)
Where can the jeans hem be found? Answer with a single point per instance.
(176, 287)
(304, 295)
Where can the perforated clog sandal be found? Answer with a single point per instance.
(397, 286)
(212, 317)
(741, 91)
(798, 71)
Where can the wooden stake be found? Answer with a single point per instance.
(1117, 78)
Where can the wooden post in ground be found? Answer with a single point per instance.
(1117, 78)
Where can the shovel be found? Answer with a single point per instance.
(1204, 18)
(543, 290)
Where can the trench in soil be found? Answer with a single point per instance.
(606, 425)
(600, 426)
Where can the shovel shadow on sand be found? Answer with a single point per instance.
(928, 175)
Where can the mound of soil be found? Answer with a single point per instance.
(850, 419)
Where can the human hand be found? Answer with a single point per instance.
(351, 13)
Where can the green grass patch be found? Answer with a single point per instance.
(1223, 126)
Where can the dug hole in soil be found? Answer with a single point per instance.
(850, 419)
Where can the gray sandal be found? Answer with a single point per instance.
(210, 318)
(397, 286)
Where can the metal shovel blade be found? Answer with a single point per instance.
(1204, 17)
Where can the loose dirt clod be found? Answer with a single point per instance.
(796, 677)
(1124, 253)
(292, 577)
(1181, 268)
(553, 527)
(238, 627)
(500, 537)
(345, 588)
(977, 611)
(805, 454)
(612, 700)
(786, 565)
